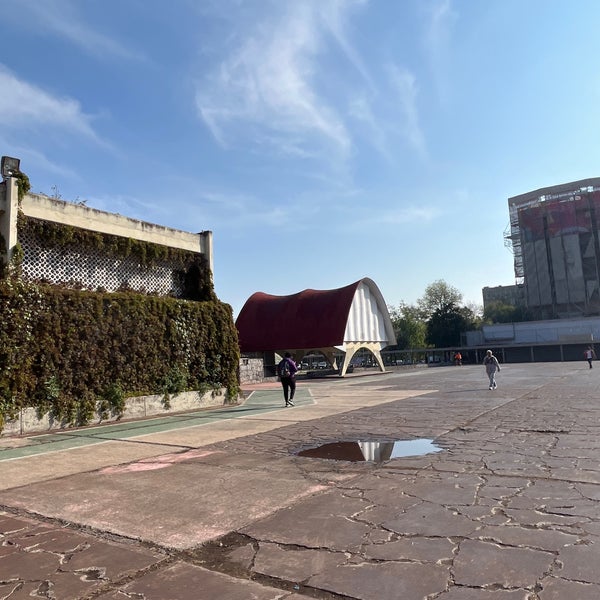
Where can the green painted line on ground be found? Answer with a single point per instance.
(259, 402)
(67, 443)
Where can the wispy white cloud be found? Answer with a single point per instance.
(274, 89)
(404, 85)
(34, 158)
(441, 18)
(336, 15)
(269, 83)
(23, 105)
(361, 109)
(131, 206)
(235, 210)
(198, 206)
(62, 18)
(393, 217)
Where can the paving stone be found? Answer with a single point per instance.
(28, 566)
(111, 560)
(580, 563)
(480, 564)
(537, 518)
(449, 490)
(243, 556)
(318, 522)
(432, 520)
(57, 541)
(412, 548)
(294, 565)
(592, 492)
(514, 535)
(591, 528)
(24, 590)
(69, 585)
(384, 581)
(462, 593)
(560, 589)
(10, 524)
(188, 582)
(5, 550)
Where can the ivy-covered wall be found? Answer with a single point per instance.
(71, 352)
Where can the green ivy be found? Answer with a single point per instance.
(112, 402)
(174, 382)
(71, 352)
(23, 184)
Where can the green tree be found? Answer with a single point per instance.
(437, 296)
(409, 327)
(446, 324)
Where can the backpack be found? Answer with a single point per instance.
(284, 368)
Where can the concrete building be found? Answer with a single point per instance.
(554, 235)
(556, 246)
(513, 295)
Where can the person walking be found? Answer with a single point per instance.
(287, 370)
(590, 355)
(491, 366)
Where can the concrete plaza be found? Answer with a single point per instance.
(217, 503)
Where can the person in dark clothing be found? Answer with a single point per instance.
(286, 370)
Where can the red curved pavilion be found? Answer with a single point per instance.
(344, 319)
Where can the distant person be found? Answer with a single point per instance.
(458, 359)
(491, 366)
(590, 355)
(287, 370)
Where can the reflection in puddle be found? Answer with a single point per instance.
(371, 451)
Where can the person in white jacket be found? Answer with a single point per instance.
(590, 355)
(491, 366)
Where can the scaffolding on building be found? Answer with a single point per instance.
(522, 204)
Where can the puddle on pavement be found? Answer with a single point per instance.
(371, 451)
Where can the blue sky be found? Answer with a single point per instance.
(355, 138)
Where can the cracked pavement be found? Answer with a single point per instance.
(509, 509)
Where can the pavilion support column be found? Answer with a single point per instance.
(328, 354)
(351, 350)
(375, 348)
(353, 347)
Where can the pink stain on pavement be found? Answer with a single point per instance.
(157, 462)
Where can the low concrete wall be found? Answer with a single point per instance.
(44, 208)
(252, 370)
(135, 408)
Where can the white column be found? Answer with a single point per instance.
(9, 208)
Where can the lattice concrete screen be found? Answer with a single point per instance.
(85, 269)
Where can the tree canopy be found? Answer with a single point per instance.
(436, 320)
(437, 296)
(446, 324)
(409, 328)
